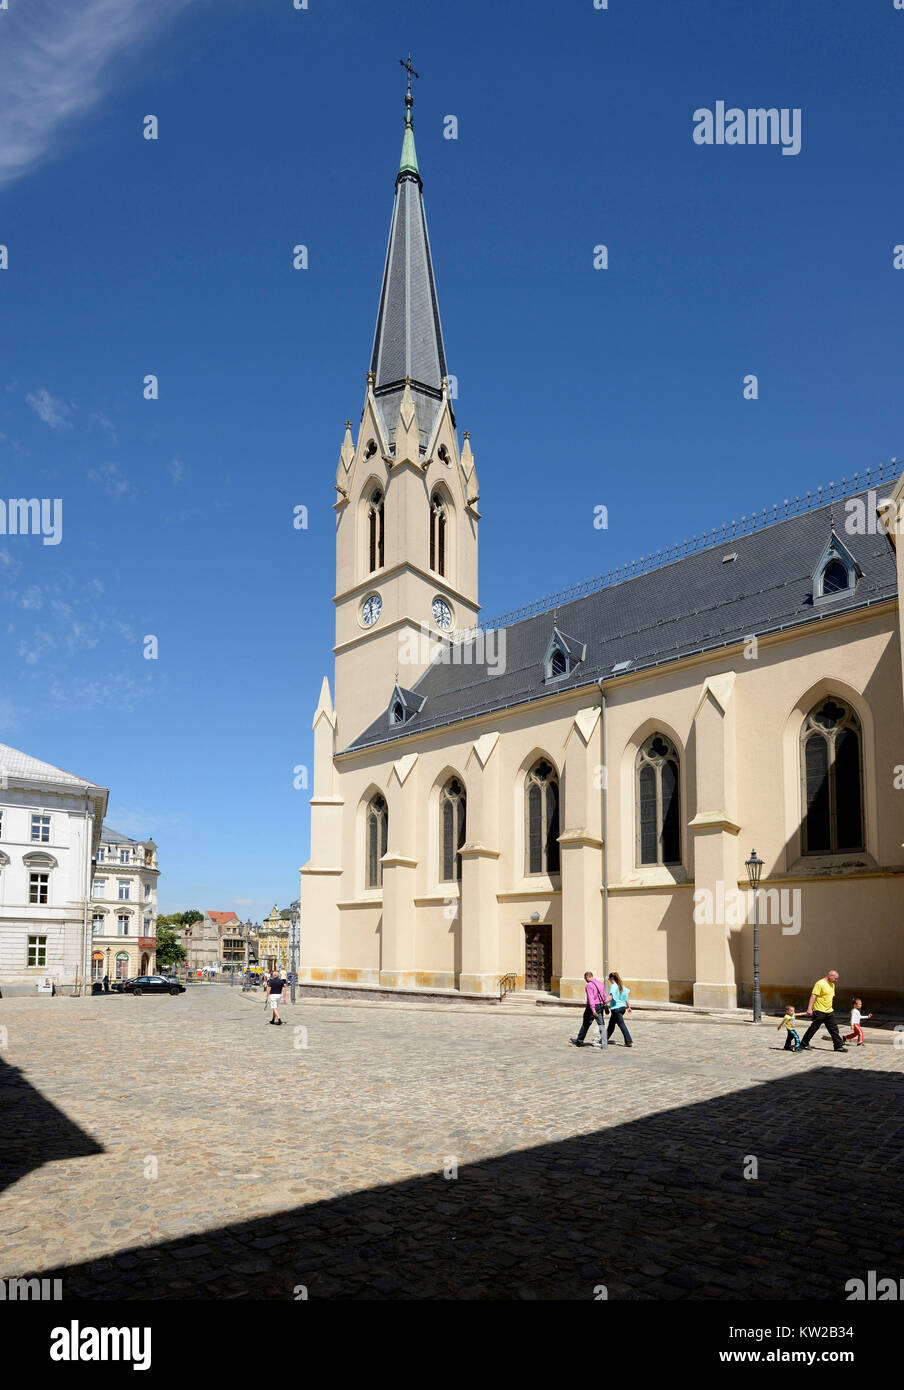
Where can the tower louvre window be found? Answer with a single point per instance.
(438, 524)
(375, 531)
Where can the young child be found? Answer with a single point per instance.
(792, 1040)
(856, 1028)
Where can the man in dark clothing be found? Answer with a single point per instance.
(276, 991)
(597, 999)
(821, 1006)
(106, 984)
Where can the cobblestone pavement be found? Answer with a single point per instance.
(182, 1148)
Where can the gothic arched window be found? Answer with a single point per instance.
(377, 827)
(452, 807)
(832, 780)
(542, 817)
(375, 531)
(438, 527)
(658, 799)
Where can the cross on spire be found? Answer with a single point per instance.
(406, 64)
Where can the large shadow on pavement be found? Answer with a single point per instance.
(657, 1208)
(32, 1130)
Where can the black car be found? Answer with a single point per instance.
(152, 984)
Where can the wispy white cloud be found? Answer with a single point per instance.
(47, 408)
(57, 62)
(106, 424)
(177, 471)
(112, 478)
(9, 716)
(117, 691)
(32, 649)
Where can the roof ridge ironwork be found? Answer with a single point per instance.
(801, 504)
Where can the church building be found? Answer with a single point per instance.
(580, 786)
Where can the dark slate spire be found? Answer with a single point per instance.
(408, 342)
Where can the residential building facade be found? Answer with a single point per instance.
(273, 940)
(124, 907)
(50, 827)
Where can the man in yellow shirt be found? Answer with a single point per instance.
(822, 1002)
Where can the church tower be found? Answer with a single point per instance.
(406, 496)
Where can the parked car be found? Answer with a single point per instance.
(119, 986)
(152, 984)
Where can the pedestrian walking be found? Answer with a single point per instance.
(106, 984)
(276, 993)
(597, 1003)
(821, 1006)
(619, 1006)
(856, 1026)
(792, 1037)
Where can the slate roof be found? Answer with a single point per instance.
(18, 764)
(408, 339)
(694, 604)
(109, 836)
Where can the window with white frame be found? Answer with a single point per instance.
(100, 888)
(124, 892)
(147, 891)
(37, 950)
(38, 888)
(122, 924)
(40, 829)
(123, 856)
(101, 854)
(97, 923)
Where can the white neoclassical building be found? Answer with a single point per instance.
(123, 907)
(50, 825)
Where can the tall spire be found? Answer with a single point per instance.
(408, 341)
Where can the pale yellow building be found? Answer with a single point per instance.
(580, 787)
(273, 940)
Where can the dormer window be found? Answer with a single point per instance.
(404, 705)
(835, 578)
(563, 654)
(836, 573)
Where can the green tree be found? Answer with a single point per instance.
(170, 950)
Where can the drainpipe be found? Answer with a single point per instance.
(604, 805)
(85, 947)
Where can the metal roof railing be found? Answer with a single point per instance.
(802, 503)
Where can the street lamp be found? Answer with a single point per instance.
(754, 867)
(293, 948)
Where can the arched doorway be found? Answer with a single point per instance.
(97, 966)
(145, 962)
(122, 965)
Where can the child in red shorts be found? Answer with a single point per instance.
(856, 1027)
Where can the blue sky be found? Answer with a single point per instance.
(580, 387)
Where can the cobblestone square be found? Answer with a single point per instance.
(172, 1148)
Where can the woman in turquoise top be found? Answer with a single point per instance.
(618, 1002)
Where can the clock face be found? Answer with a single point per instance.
(371, 610)
(442, 614)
